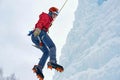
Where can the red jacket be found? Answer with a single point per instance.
(44, 22)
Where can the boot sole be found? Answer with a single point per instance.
(57, 68)
(38, 76)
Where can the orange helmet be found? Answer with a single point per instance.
(53, 9)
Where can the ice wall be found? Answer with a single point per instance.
(92, 49)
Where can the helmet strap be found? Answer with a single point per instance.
(50, 13)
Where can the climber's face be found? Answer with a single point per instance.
(54, 15)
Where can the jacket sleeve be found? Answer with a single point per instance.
(43, 19)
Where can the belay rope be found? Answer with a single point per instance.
(63, 6)
(61, 9)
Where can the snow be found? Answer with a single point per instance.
(92, 48)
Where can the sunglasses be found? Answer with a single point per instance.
(56, 13)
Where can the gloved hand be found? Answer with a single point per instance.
(36, 32)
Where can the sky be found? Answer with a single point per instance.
(17, 17)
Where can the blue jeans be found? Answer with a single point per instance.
(48, 48)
